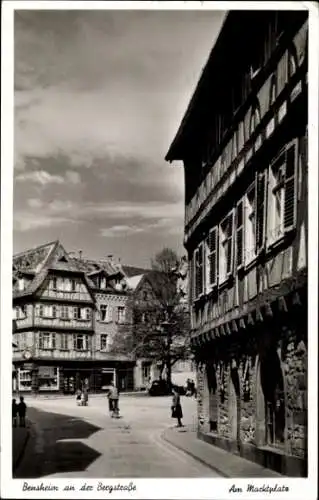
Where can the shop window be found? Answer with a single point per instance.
(24, 380)
(48, 378)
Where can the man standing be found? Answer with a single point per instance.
(113, 395)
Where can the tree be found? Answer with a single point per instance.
(158, 327)
(166, 260)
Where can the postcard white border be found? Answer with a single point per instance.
(151, 488)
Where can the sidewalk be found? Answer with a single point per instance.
(223, 462)
(20, 437)
(72, 396)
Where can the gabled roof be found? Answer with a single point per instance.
(134, 271)
(162, 284)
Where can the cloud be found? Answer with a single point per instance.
(29, 222)
(44, 178)
(40, 177)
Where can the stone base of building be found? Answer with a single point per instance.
(265, 456)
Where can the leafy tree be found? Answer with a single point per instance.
(158, 327)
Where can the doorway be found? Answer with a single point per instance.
(274, 396)
(234, 404)
(213, 400)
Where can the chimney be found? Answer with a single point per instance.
(110, 258)
(80, 254)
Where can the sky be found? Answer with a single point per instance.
(99, 96)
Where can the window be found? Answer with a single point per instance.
(250, 224)
(54, 312)
(199, 274)
(225, 247)
(48, 378)
(21, 284)
(212, 258)
(88, 313)
(254, 122)
(272, 99)
(240, 233)
(145, 295)
(47, 311)
(282, 194)
(53, 283)
(261, 183)
(64, 312)
(20, 312)
(40, 311)
(103, 312)
(73, 285)
(120, 314)
(47, 340)
(25, 380)
(104, 342)
(76, 313)
(80, 342)
(64, 342)
(103, 283)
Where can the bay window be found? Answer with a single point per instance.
(225, 247)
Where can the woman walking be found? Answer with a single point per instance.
(177, 408)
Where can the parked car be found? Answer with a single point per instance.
(161, 388)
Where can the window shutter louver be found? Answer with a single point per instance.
(213, 245)
(290, 203)
(260, 210)
(229, 267)
(240, 234)
(199, 271)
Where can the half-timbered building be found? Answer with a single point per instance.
(243, 142)
(66, 312)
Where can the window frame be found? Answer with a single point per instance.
(104, 336)
(85, 338)
(199, 293)
(64, 340)
(222, 241)
(283, 153)
(47, 336)
(120, 318)
(208, 254)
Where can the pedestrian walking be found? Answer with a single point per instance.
(177, 408)
(14, 413)
(113, 395)
(22, 409)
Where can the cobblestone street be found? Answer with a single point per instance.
(72, 441)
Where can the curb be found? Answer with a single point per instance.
(17, 462)
(193, 455)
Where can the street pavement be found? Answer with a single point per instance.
(71, 441)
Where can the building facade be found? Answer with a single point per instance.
(243, 142)
(66, 312)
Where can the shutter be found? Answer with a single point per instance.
(230, 239)
(290, 197)
(74, 341)
(213, 245)
(260, 210)
(53, 341)
(40, 341)
(240, 234)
